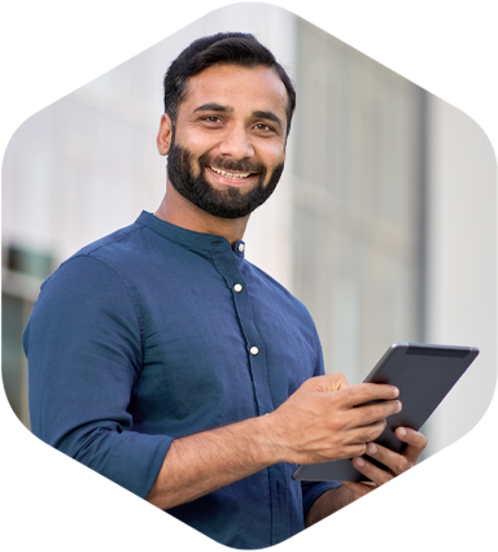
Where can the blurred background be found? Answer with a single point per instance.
(384, 222)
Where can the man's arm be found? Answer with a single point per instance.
(321, 421)
(329, 503)
(199, 464)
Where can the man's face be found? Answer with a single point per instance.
(229, 139)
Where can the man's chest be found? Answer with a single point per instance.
(213, 354)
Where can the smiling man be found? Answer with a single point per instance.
(228, 154)
(161, 358)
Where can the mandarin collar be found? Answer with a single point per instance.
(189, 238)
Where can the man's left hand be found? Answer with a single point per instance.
(397, 463)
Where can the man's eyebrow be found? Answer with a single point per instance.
(269, 115)
(214, 107)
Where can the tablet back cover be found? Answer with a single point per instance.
(424, 375)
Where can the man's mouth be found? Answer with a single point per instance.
(233, 176)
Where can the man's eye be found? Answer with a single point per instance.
(211, 119)
(264, 127)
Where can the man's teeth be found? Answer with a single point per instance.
(230, 175)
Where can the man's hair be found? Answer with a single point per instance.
(226, 49)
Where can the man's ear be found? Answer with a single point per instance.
(164, 135)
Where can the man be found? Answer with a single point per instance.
(159, 357)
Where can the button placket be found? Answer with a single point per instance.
(229, 268)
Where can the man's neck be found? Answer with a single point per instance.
(177, 210)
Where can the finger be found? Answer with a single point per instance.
(375, 474)
(365, 434)
(365, 392)
(411, 437)
(396, 463)
(368, 414)
(416, 443)
(329, 382)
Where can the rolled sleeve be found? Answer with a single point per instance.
(84, 350)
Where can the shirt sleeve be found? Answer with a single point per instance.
(84, 349)
(312, 490)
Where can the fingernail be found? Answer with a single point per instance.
(402, 432)
(360, 462)
(371, 448)
(395, 391)
(399, 406)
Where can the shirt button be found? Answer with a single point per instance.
(254, 350)
(241, 247)
(237, 288)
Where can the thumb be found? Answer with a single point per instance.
(329, 382)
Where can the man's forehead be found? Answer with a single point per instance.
(222, 83)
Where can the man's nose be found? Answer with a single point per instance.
(236, 142)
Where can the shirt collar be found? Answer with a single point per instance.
(188, 238)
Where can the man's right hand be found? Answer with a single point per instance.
(326, 419)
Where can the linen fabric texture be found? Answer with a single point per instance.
(140, 338)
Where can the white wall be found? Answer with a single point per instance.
(461, 300)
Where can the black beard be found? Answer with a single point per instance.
(229, 203)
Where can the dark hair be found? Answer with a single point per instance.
(222, 48)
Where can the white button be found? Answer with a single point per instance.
(241, 247)
(254, 350)
(237, 288)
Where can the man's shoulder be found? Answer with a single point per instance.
(109, 254)
(113, 244)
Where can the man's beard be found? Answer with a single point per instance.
(229, 203)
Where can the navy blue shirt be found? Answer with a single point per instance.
(156, 332)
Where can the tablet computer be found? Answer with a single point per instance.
(424, 375)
